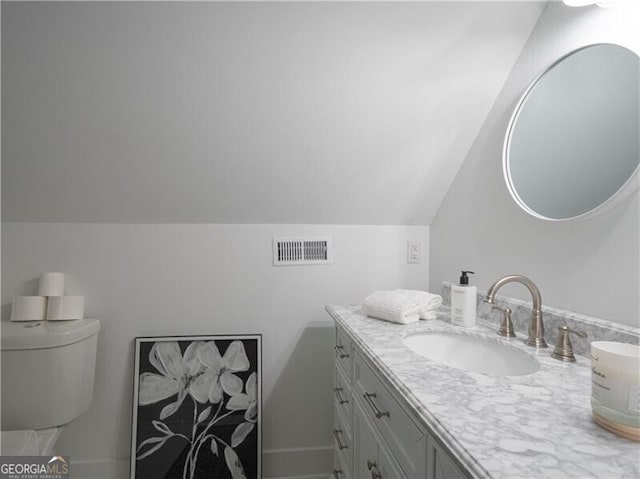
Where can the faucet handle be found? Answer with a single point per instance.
(564, 349)
(506, 325)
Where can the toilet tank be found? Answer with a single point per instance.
(48, 370)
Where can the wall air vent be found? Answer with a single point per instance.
(297, 251)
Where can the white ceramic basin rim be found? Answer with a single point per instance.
(472, 353)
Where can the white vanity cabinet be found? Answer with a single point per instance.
(401, 436)
(440, 464)
(376, 436)
(342, 406)
(371, 458)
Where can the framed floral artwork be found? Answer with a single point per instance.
(197, 407)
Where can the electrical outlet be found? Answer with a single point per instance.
(414, 251)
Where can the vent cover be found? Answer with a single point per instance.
(294, 251)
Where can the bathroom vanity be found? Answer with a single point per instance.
(400, 415)
(376, 433)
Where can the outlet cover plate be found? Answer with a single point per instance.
(414, 252)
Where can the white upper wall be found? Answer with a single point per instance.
(325, 113)
(591, 266)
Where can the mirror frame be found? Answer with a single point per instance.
(626, 190)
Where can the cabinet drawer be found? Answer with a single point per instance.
(443, 468)
(344, 353)
(388, 466)
(342, 397)
(372, 459)
(406, 441)
(342, 442)
(441, 464)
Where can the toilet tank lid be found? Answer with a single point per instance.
(18, 335)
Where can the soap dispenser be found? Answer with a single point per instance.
(463, 302)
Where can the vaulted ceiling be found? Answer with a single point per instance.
(329, 113)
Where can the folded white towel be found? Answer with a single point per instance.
(427, 302)
(392, 306)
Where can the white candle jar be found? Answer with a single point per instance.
(615, 384)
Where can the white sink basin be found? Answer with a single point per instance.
(473, 354)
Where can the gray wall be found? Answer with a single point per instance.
(246, 112)
(155, 280)
(321, 113)
(591, 267)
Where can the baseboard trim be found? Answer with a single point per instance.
(301, 463)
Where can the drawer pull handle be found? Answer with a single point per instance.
(373, 467)
(337, 473)
(336, 434)
(338, 392)
(369, 398)
(339, 352)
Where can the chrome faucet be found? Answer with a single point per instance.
(536, 326)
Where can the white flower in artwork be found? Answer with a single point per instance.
(219, 375)
(175, 372)
(248, 400)
(206, 376)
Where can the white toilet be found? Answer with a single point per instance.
(48, 368)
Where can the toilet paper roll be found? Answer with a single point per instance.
(51, 284)
(65, 307)
(29, 308)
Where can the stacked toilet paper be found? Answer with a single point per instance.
(51, 303)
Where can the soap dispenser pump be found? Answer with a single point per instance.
(463, 302)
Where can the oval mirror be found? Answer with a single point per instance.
(573, 144)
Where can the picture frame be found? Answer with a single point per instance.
(197, 407)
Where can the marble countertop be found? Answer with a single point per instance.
(534, 426)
